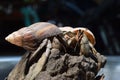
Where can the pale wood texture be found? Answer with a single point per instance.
(52, 62)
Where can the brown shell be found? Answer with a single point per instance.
(88, 33)
(30, 37)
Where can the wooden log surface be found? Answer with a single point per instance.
(50, 63)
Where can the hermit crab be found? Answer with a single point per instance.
(76, 32)
(76, 40)
(38, 38)
(30, 37)
(80, 40)
(79, 35)
(41, 38)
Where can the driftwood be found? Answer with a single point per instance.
(52, 62)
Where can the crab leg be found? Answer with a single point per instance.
(79, 37)
(87, 48)
(62, 41)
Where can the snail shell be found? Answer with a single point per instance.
(30, 37)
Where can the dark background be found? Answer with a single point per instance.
(102, 17)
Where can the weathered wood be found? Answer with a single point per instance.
(51, 62)
(38, 66)
(18, 72)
